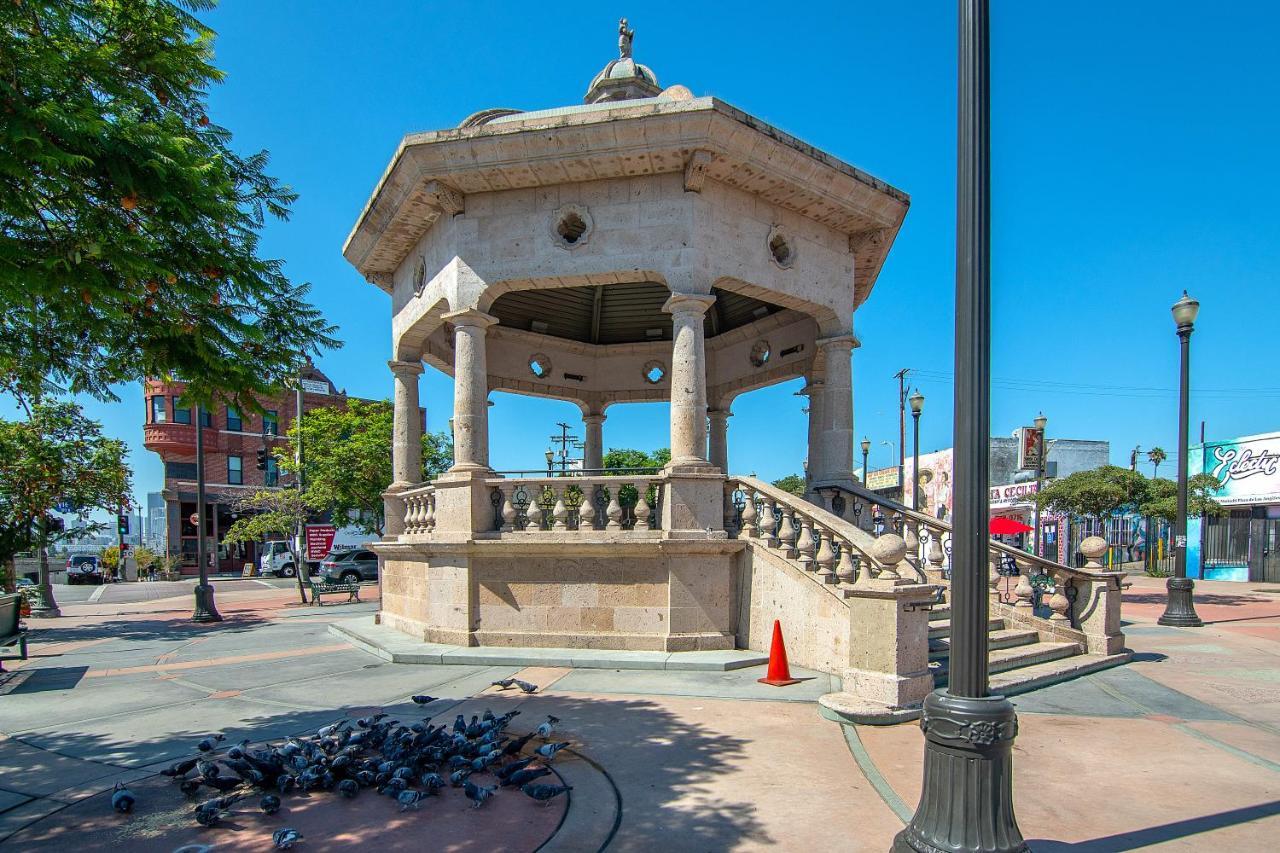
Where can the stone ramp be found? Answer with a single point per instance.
(396, 647)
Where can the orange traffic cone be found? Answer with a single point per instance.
(779, 674)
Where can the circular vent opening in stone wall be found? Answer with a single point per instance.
(781, 248)
(654, 372)
(540, 365)
(571, 226)
(760, 353)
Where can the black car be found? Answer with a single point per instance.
(350, 566)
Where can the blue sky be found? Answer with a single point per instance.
(1133, 157)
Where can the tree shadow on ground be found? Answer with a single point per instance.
(1151, 835)
(1214, 598)
(156, 627)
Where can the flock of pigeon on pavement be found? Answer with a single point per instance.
(408, 763)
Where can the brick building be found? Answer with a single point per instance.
(231, 443)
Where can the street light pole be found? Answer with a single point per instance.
(967, 797)
(917, 406)
(206, 610)
(866, 451)
(1040, 423)
(1180, 608)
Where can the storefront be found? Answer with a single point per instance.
(1016, 501)
(1242, 544)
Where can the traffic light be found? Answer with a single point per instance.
(262, 459)
(123, 524)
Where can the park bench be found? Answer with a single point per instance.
(13, 640)
(319, 588)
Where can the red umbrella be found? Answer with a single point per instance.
(1000, 526)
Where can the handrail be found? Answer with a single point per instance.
(945, 526)
(582, 472)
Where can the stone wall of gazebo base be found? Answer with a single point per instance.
(541, 591)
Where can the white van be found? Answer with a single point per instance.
(276, 560)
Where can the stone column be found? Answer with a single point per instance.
(593, 443)
(470, 390)
(718, 438)
(837, 408)
(406, 442)
(688, 379)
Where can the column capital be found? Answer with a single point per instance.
(847, 342)
(405, 369)
(472, 317)
(719, 414)
(594, 418)
(688, 303)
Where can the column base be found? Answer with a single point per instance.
(1180, 608)
(967, 797)
(206, 610)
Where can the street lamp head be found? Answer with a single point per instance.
(917, 402)
(1185, 311)
(866, 445)
(1040, 421)
(550, 456)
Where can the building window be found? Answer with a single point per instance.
(272, 475)
(270, 422)
(233, 420)
(180, 415)
(159, 412)
(206, 418)
(235, 470)
(180, 470)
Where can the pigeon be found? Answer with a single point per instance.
(514, 747)
(432, 782)
(544, 731)
(207, 769)
(545, 793)
(348, 788)
(286, 783)
(458, 777)
(459, 724)
(514, 767)
(285, 838)
(549, 750)
(270, 804)
(503, 684)
(222, 783)
(423, 700)
(122, 800)
(179, 768)
(209, 744)
(409, 798)
(210, 812)
(189, 786)
(525, 687)
(524, 777)
(479, 793)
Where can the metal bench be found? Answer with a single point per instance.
(13, 640)
(319, 589)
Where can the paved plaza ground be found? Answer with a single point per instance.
(1179, 750)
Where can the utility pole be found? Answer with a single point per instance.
(902, 429)
(304, 570)
(566, 442)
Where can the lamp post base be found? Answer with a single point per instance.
(967, 799)
(1180, 608)
(206, 609)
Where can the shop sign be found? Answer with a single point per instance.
(320, 540)
(1013, 494)
(314, 386)
(1247, 469)
(1030, 448)
(885, 478)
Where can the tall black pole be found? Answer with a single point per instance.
(915, 462)
(1180, 608)
(206, 610)
(967, 797)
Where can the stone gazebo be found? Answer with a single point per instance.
(646, 245)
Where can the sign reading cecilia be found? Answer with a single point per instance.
(320, 540)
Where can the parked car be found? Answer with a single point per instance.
(26, 582)
(84, 568)
(349, 566)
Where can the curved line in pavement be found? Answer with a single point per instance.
(873, 775)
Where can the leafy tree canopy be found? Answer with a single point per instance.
(1110, 489)
(272, 512)
(128, 225)
(1161, 500)
(792, 483)
(625, 457)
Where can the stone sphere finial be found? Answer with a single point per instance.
(1093, 547)
(889, 549)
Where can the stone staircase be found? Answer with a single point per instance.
(1018, 660)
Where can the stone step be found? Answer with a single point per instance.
(940, 612)
(1005, 638)
(1027, 678)
(942, 627)
(1003, 660)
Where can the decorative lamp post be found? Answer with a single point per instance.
(1180, 608)
(917, 406)
(206, 610)
(866, 451)
(551, 461)
(966, 802)
(1040, 422)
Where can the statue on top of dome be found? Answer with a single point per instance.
(624, 39)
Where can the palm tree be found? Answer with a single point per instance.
(1156, 455)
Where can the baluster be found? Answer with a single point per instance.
(787, 532)
(560, 512)
(1023, 592)
(993, 577)
(846, 571)
(508, 511)
(768, 523)
(642, 509)
(889, 551)
(804, 543)
(912, 538)
(1059, 603)
(730, 511)
(749, 515)
(534, 513)
(614, 509)
(410, 514)
(587, 509)
(825, 557)
(867, 518)
(431, 511)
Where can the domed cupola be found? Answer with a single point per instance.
(623, 79)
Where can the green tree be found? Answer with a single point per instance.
(129, 225)
(273, 512)
(1098, 492)
(347, 460)
(792, 483)
(625, 457)
(1161, 500)
(57, 456)
(1156, 455)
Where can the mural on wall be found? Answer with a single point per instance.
(1248, 468)
(934, 483)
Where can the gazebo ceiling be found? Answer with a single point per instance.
(617, 313)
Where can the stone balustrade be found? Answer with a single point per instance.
(609, 504)
(419, 510)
